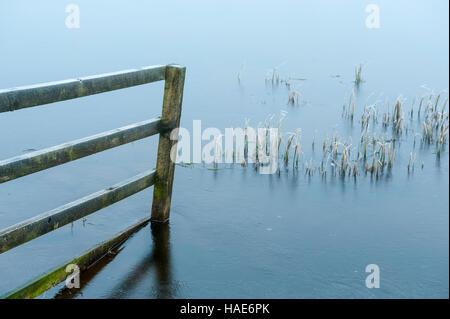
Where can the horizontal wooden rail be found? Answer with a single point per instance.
(27, 96)
(40, 160)
(49, 279)
(39, 225)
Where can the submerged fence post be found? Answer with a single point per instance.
(170, 119)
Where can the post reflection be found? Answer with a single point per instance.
(159, 259)
(151, 277)
(161, 256)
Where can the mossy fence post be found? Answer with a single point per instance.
(170, 119)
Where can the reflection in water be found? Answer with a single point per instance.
(87, 276)
(159, 257)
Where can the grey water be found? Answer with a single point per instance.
(233, 233)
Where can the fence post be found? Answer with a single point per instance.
(170, 118)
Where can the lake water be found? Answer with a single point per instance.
(234, 233)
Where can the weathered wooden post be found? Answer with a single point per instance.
(170, 119)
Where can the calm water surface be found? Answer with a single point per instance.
(233, 232)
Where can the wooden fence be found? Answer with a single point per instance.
(162, 177)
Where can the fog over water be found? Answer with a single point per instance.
(235, 233)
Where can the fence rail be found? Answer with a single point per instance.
(40, 160)
(161, 177)
(33, 95)
(39, 225)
